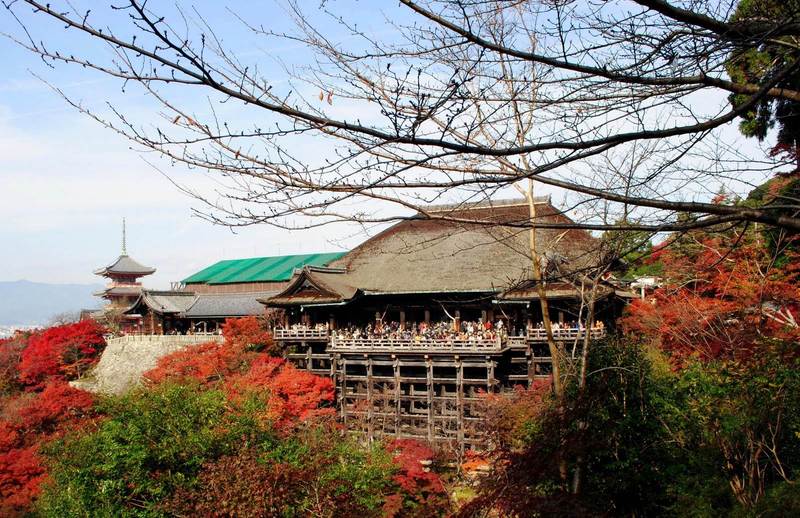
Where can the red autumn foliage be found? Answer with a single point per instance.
(206, 363)
(212, 361)
(422, 492)
(60, 352)
(28, 421)
(57, 404)
(720, 302)
(247, 333)
(294, 395)
(21, 473)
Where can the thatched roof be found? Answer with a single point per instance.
(463, 248)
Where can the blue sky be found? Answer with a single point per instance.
(66, 182)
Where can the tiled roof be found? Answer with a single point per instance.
(125, 264)
(168, 301)
(227, 305)
(204, 305)
(258, 269)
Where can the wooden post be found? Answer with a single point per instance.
(309, 351)
(429, 365)
(427, 316)
(460, 399)
(402, 319)
(397, 393)
(489, 374)
(370, 396)
(343, 390)
(332, 323)
(531, 369)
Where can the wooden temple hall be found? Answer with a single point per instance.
(418, 321)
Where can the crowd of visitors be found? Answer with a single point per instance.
(448, 330)
(561, 326)
(423, 331)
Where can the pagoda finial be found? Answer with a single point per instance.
(124, 244)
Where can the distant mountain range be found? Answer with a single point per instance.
(36, 303)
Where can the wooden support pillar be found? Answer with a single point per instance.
(457, 323)
(483, 315)
(490, 315)
(343, 389)
(331, 322)
(370, 400)
(561, 317)
(397, 394)
(429, 365)
(334, 363)
(402, 319)
(531, 369)
(309, 359)
(489, 375)
(427, 316)
(460, 400)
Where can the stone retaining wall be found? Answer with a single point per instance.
(126, 358)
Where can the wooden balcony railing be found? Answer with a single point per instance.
(301, 334)
(539, 335)
(396, 345)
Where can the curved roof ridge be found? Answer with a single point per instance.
(486, 204)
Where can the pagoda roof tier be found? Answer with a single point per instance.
(119, 291)
(125, 265)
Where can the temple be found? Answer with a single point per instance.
(420, 320)
(415, 324)
(227, 289)
(123, 288)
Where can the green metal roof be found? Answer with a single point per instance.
(259, 269)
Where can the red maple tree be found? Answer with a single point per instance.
(60, 352)
(28, 421)
(213, 361)
(293, 395)
(422, 492)
(724, 297)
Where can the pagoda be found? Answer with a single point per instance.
(123, 288)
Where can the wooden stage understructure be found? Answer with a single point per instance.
(432, 390)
